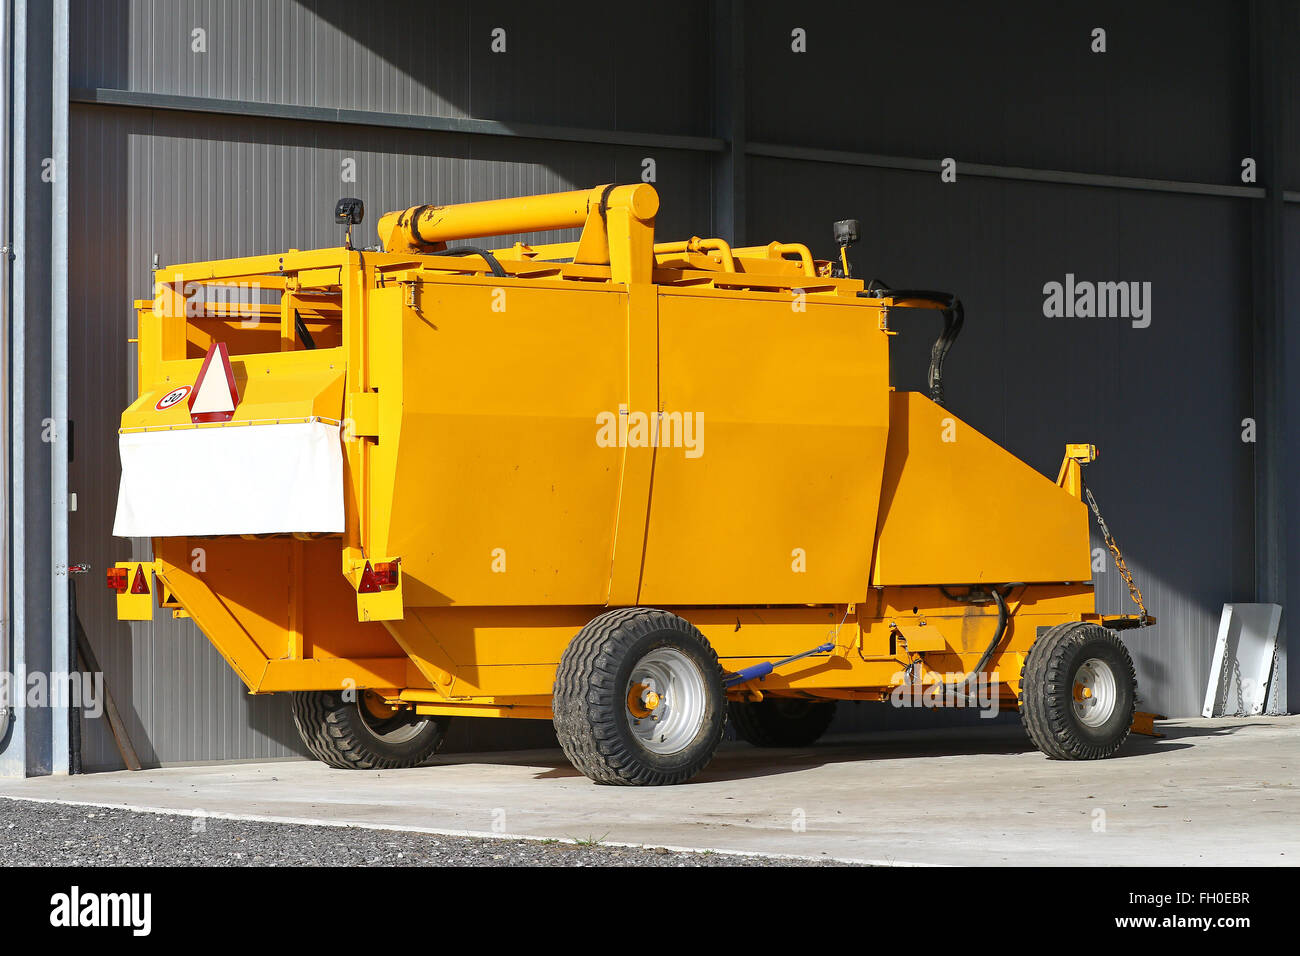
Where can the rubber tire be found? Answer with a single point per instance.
(1047, 691)
(335, 734)
(590, 706)
(777, 722)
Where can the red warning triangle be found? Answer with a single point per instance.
(139, 585)
(215, 394)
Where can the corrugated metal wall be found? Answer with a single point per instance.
(1166, 101)
(190, 186)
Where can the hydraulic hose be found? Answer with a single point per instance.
(490, 259)
(301, 328)
(954, 315)
(999, 632)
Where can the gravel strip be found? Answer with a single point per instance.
(53, 834)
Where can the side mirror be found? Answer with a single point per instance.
(846, 234)
(349, 212)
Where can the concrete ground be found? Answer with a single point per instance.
(1213, 792)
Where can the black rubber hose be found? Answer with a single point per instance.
(490, 259)
(954, 315)
(998, 633)
(300, 327)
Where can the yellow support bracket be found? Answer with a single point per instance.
(1145, 723)
(385, 604)
(1070, 477)
(362, 415)
(132, 603)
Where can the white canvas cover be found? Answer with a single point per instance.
(240, 479)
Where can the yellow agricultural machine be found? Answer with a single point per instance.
(629, 486)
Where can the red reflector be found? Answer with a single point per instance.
(116, 579)
(139, 585)
(386, 572)
(381, 577)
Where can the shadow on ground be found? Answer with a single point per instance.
(738, 761)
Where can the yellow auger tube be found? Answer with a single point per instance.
(423, 228)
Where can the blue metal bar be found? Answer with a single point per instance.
(759, 671)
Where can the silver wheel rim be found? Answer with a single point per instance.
(398, 729)
(666, 700)
(1095, 692)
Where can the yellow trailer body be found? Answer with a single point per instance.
(436, 465)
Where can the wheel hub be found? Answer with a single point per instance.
(642, 699)
(666, 700)
(1095, 692)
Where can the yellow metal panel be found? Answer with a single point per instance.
(362, 414)
(274, 385)
(777, 503)
(958, 509)
(240, 592)
(635, 463)
(136, 607)
(319, 278)
(487, 479)
(918, 639)
(333, 673)
(217, 616)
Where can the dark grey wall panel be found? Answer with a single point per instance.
(1012, 83)
(1163, 403)
(1289, 43)
(592, 65)
(1291, 401)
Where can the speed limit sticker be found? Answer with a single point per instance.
(171, 398)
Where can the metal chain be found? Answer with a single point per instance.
(1271, 693)
(1225, 676)
(1240, 709)
(1232, 673)
(1120, 566)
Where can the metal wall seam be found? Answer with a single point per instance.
(15, 753)
(1021, 173)
(6, 257)
(480, 127)
(60, 663)
(350, 117)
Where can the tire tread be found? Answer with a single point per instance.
(585, 698)
(328, 726)
(1045, 685)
